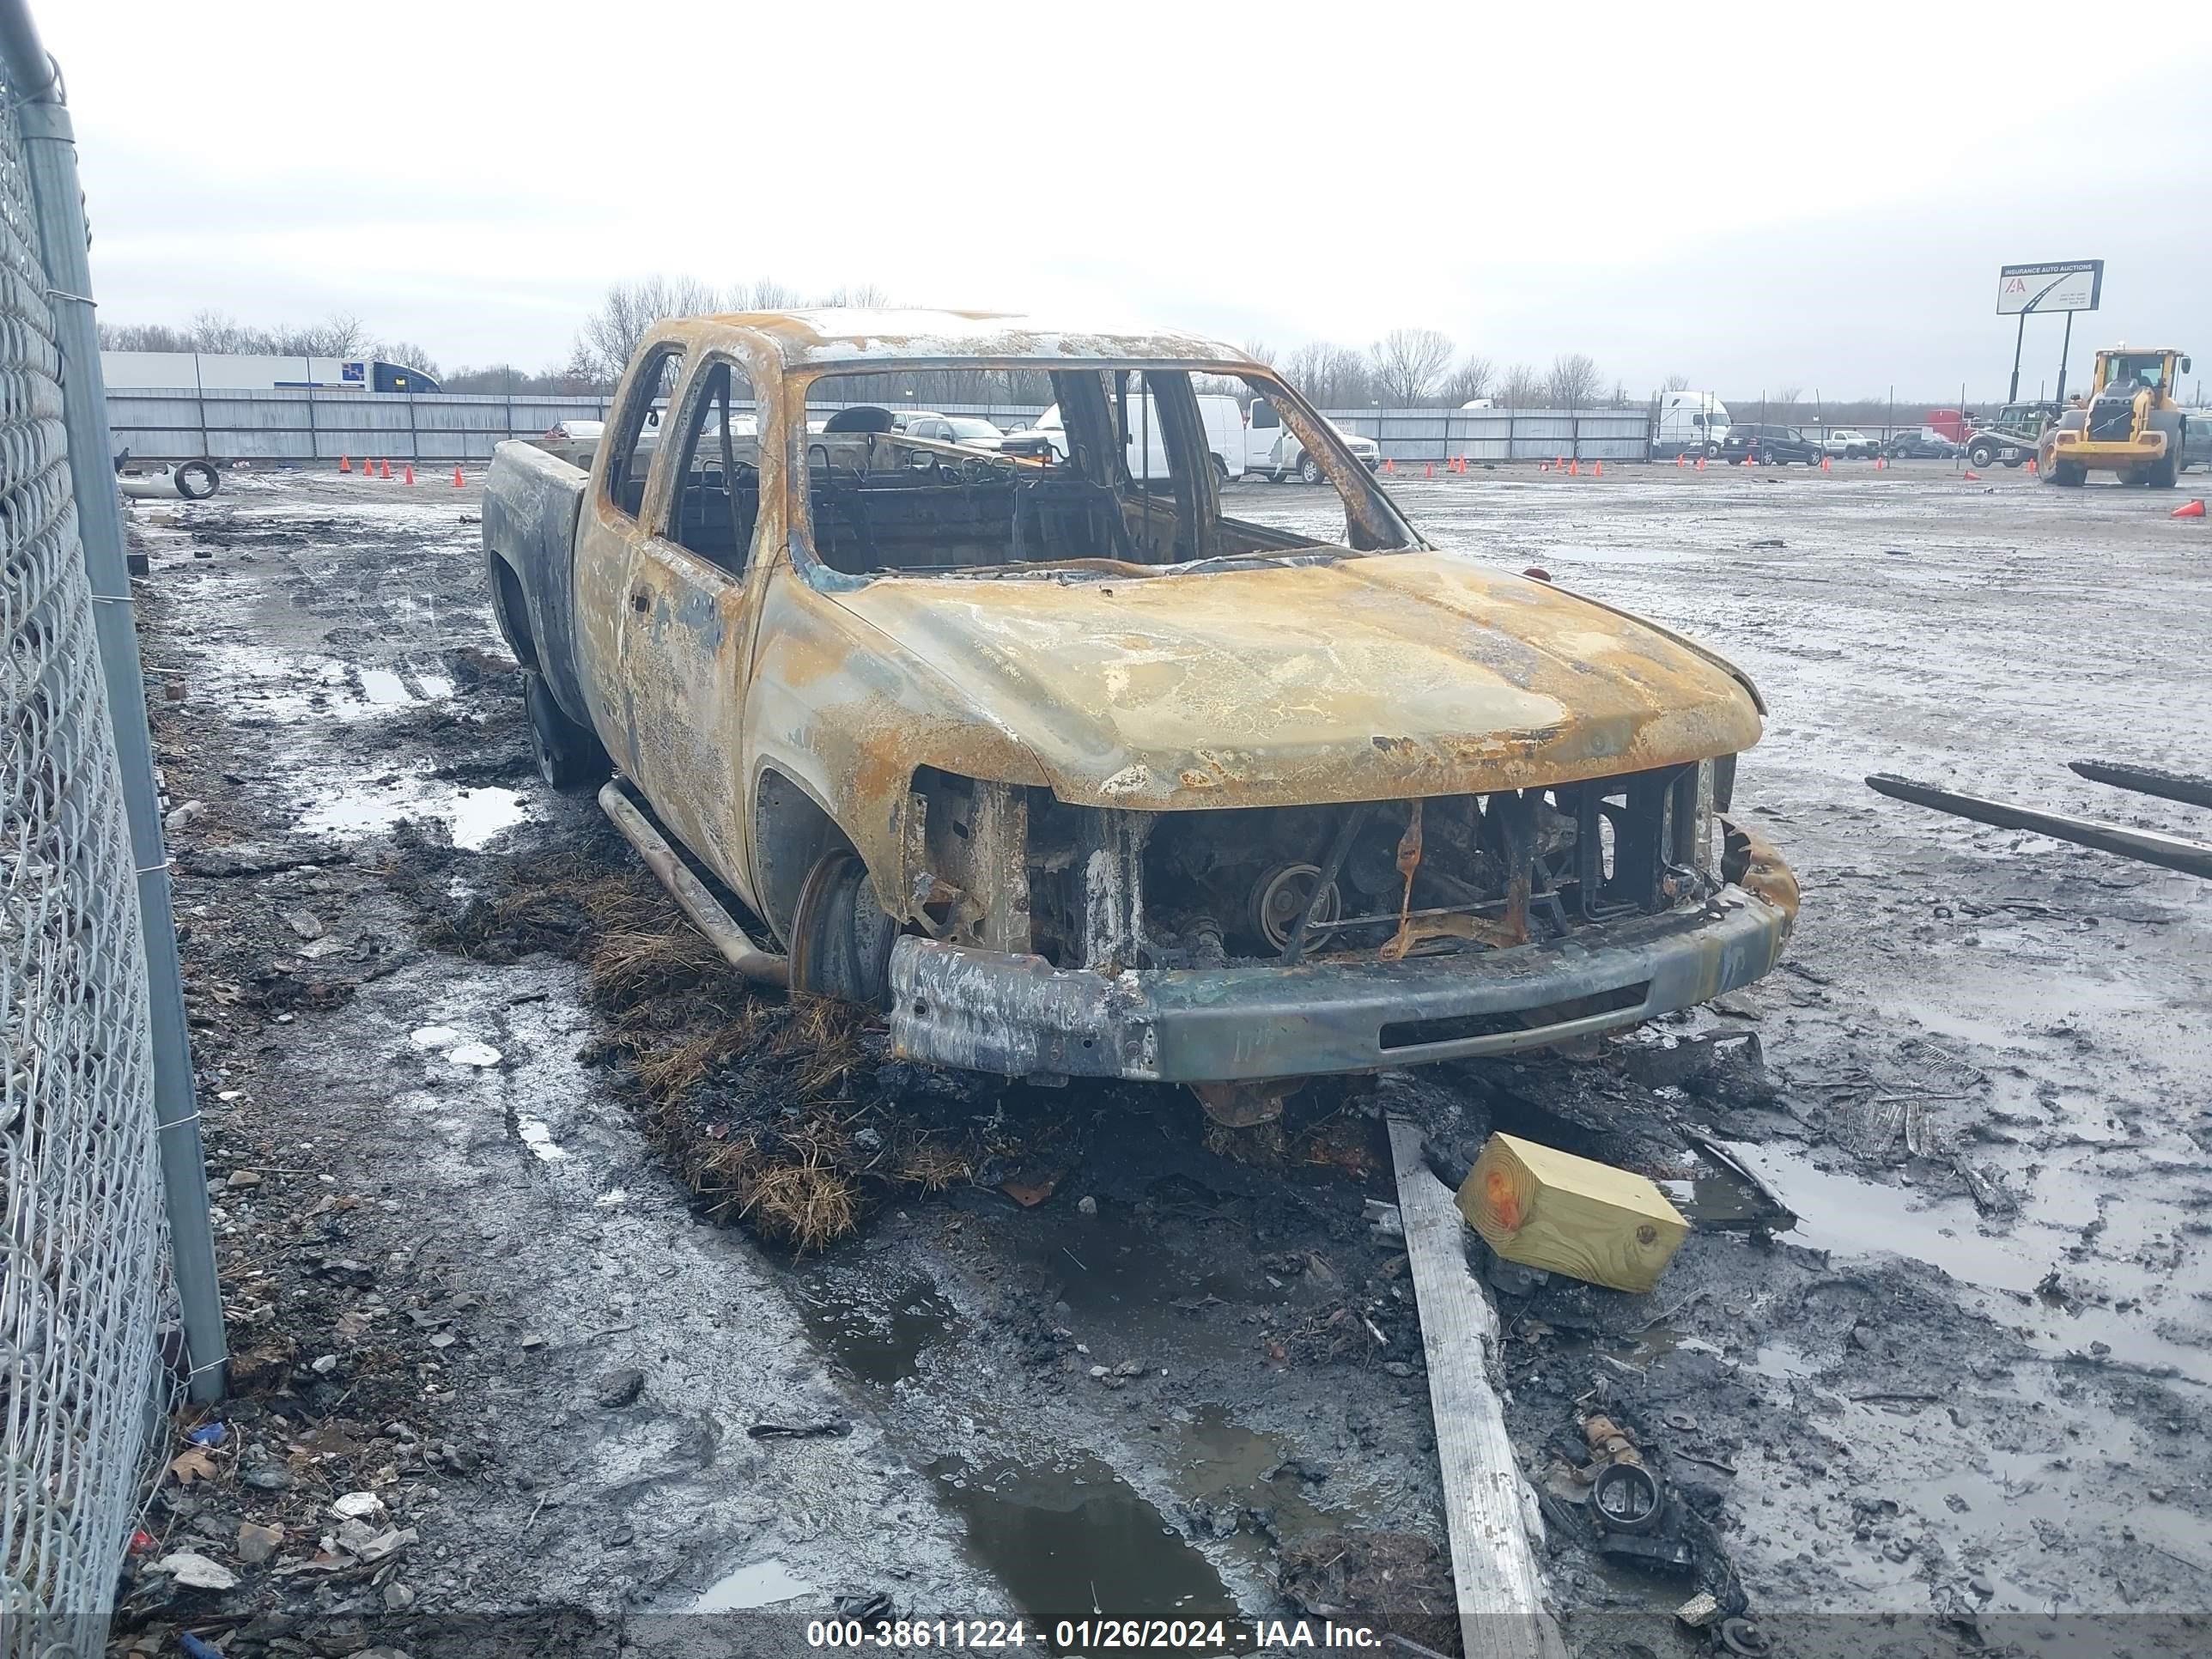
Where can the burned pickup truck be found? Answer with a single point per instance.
(1071, 773)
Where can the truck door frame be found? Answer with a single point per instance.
(690, 629)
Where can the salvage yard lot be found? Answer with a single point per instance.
(1967, 1382)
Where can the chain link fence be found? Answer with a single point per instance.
(84, 1279)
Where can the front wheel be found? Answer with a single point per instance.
(840, 940)
(569, 756)
(1309, 469)
(1712, 451)
(1980, 455)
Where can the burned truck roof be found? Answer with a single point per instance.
(846, 338)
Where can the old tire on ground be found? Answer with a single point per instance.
(1309, 469)
(198, 480)
(569, 758)
(840, 940)
(1980, 455)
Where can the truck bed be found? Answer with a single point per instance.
(531, 502)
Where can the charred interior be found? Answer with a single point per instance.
(1381, 880)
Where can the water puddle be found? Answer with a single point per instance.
(1106, 1264)
(1245, 1479)
(758, 1584)
(2120, 1314)
(476, 815)
(382, 686)
(878, 1344)
(1076, 1540)
(1849, 1216)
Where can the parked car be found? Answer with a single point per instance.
(1842, 443)
(971, 431)
(1065, 777)
(1769, 446)
(1925, 445)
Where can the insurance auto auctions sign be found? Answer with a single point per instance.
(2069, 285)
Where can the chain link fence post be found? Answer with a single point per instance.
(105, 1242)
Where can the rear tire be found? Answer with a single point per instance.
(2068, 475)
(840, 940)
(569, 756)
(1220, 471)
(1309, 470)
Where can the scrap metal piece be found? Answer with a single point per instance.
(2168, 851)
(2147, 781)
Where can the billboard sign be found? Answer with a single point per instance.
(2069, 285)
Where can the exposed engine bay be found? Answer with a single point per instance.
(1378, 880)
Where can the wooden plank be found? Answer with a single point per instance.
(1546, 1208)
(1488, 1512)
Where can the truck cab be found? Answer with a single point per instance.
(1689, 423)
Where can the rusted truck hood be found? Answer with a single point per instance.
(1361, 678)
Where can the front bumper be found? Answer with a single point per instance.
(985, 1011)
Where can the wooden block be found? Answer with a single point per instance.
(1546, 1208)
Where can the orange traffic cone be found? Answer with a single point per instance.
(1972, 476)
(2188, 510)
(1598, 470)
(1701, 464)
(1559, 465)
(345, 465)
(1389, 466)
(2032, 468)
(1825, 467)
(411, 472)
(384, 469)
(1574, 467)
(1681, 460)
(1428, 469)
(456, 478)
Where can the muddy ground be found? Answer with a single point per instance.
(1954, 1399)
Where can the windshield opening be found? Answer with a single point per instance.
(1125, 471)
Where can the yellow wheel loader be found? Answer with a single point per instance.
(2129, 424)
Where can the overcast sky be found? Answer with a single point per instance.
(1750, 196)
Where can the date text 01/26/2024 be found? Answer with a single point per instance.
(1091, 1635)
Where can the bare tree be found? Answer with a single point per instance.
(1522, 387)
(1675, 383)
(1408, 363)
(629, 309)
(408, 354)
(1785, 399)
(1573, 381)
(1261, 349)
(1331, 376)
(1472, 379)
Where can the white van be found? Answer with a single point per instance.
(1273, 452)
(1224, 435)
(1688, 423)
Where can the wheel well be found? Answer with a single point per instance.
(791, 830)
(512, 611)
